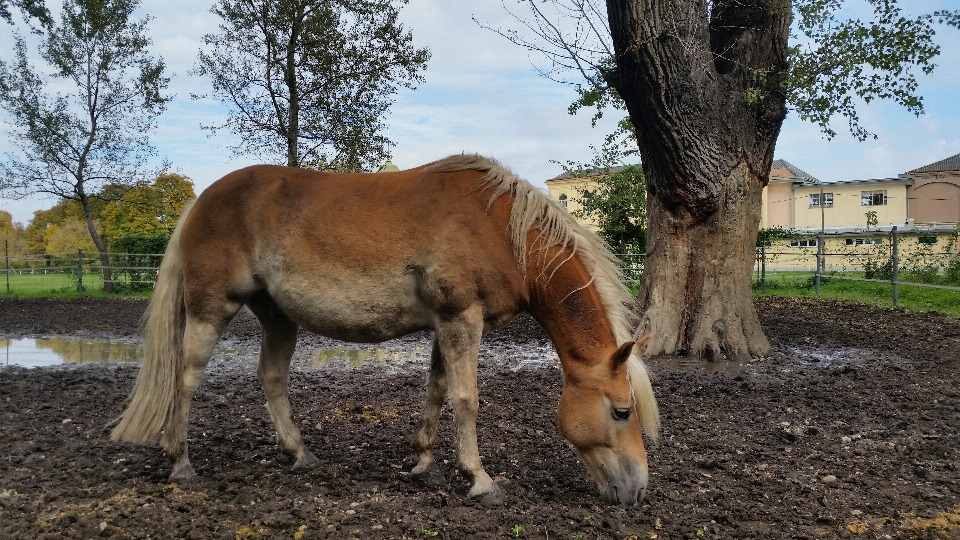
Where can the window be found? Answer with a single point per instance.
(927, 240)
(873, 198)
(864, 242)
(563, 200)
(810, 242)
(827, 200)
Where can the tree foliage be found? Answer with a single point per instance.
(147, 210)
(308, 82)
(70, 144)
(29, 9)
(618, 205)
(834, 63)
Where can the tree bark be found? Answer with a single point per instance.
(101, 246)
(703, 86)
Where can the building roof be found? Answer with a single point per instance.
(781, 168)
(952, 163)
(568, 175)
(389, 167)
(867, 182)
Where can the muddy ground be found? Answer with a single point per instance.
(851, 429)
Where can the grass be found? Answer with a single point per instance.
(910, 297)
(59, 286)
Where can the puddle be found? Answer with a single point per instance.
(31, 353)
(396, 358)
(690, 364)
(52, 352)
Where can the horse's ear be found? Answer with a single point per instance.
(622, 354)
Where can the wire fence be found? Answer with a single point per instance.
(889, 259)
(76, 274)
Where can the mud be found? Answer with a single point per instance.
(851, 429)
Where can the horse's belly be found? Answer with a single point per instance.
(364, 311)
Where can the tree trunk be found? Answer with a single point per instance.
(696, 292)
(101, 246)
(703, 84)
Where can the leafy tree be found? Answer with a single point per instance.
(707, 85)
(28, 9)
(308, 82)
(13, 235)
(148, 210)
(64, 239)
(71, 144)
(618, 205)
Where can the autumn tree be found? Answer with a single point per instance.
(13, 236)
(308, 82)
(148, 209)
(707, 85)
(85, 124)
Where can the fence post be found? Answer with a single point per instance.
(763, 268)
(819, 260)
(80, 273)
(6, 256)
(895, 263)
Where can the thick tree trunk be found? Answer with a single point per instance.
(696, 295)
(703, 83)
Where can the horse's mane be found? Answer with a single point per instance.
(532, 208)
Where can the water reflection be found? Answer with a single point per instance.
(354, 358)
(27, 352)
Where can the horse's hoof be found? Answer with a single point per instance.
(306, 461)
(430, 476)
(182, 472)
(493, 497)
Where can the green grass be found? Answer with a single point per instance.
(58, 286)
(910, 297)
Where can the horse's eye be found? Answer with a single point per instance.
(621, 415)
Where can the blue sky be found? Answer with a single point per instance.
(482, 94)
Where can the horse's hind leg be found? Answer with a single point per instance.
(276, 349)
(426, 470)
(200, 338)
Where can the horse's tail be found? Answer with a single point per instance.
(154, 398)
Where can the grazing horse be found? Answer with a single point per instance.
(458, 246)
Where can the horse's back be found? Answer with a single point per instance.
(362, 257)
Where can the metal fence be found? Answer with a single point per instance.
(883, 259)
(76, 274)
(82, 273)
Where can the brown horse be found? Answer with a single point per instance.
(459, 246)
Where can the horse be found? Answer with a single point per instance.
(458, 246)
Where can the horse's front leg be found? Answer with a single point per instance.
(459, 342)
(426, 470)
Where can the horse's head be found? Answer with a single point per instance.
(599, 416)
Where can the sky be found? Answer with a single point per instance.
(483, 94)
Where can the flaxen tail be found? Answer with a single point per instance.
(154, 397)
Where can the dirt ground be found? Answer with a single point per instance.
(851, 429)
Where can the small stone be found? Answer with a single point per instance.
(845, 439)
(856, 512)
(829, 479)
(4, 494)
(103, 525)
(318, 426)
(66, 421)
(855, 437)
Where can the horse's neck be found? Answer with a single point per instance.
(567, 305)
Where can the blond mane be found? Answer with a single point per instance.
(533, 209)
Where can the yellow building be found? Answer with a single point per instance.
(568, 190)
(795, 200)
